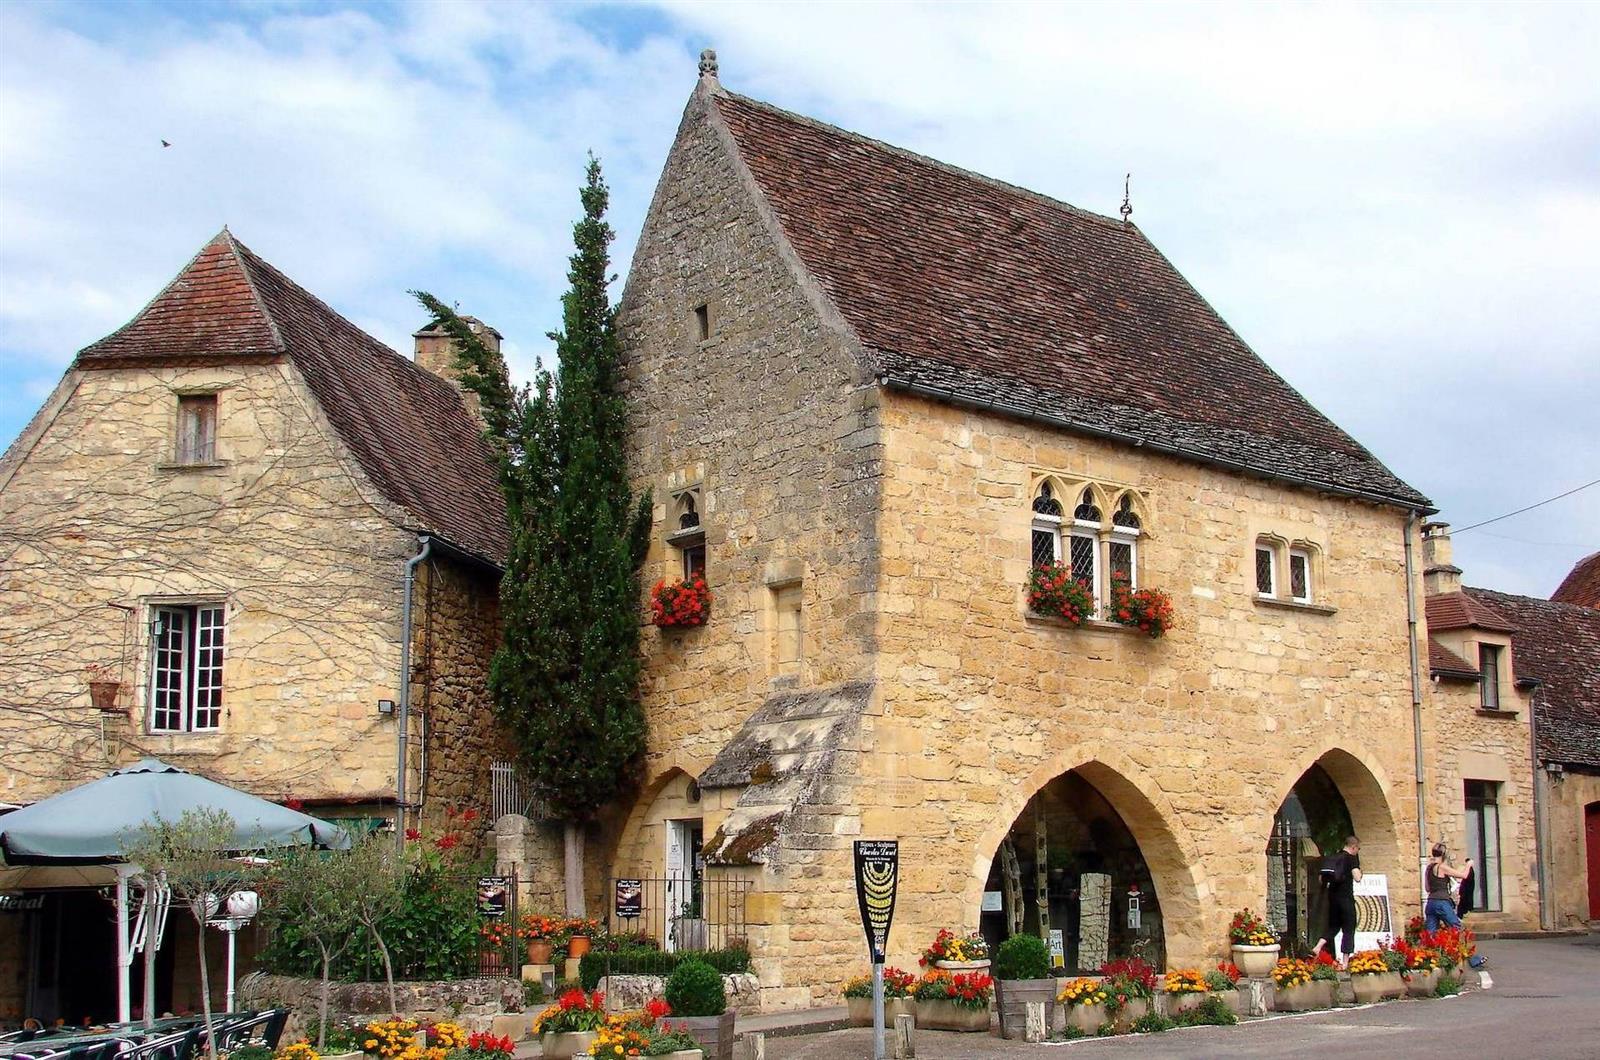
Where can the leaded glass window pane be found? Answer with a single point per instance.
(1125, 515)
(1122, 562)
(1299, 576)
(1083, 559)
(1086, 508)
(1045, 503)
(1044, 546)
(1264, 572)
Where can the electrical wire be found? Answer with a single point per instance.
(1529, 508)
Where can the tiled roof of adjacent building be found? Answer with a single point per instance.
(1461, 611)
(1559, 644)
(409, 429)
(981, 293)
(1582, 583)
(1442, 662)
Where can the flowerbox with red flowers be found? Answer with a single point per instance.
(1053, 591)
(685, 602)
(1147, 610)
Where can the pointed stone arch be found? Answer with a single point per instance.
(1364, 786)
(671, 768)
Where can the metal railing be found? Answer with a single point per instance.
(679, 912)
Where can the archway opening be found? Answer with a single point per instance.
(1071, 870)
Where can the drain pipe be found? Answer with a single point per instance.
(1416, 692)
(1540, 845)
(403, 727)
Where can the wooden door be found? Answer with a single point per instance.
(1591, 831)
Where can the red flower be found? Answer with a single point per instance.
(657, 1007)
(412, 835)
(470, 815)
(448, 841)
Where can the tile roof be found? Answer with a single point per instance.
(1582, 583)
(1460, 611)
(1442, 662)
(409, 429)
(984, 293)
(1559, 644)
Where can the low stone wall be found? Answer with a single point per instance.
(473, 1003)
(624, 992)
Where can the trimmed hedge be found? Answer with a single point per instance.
(695, 989)
(1022, 957)
(640, 960)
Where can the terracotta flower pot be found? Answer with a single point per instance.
(103, 694)
(944, 1015)
(1256, 962)
(566, 1045)
(577, 946)
(540, 951)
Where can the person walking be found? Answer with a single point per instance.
(1440, 907)
(1464, 905)
(1340, 873)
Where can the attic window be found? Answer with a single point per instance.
(197, 429)
(702, 322)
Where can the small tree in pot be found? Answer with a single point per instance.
(700, 1008)
(1022, 974)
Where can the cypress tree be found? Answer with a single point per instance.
(565, 677)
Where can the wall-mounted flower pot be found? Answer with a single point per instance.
(103, 694)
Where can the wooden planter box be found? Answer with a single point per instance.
(1423, 984)
(566, 1045)
(1256, 962)
(1011, 998)
(1306, 997)
(714, 1033)
(949, 1016)
(861, 1010)
(1087, 1018)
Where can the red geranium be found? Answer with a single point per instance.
(1052, 590)
(1231, 970)
(686, 602)
(656, 1008)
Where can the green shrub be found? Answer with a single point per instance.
(664, 1044)
(1448, 986)
(1022, 957)
(1108, 1029)
(695, 989)
(1152, 1023)
(1068, 1033)
(1210, 1013)
(640, 960)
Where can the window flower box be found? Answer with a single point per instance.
(1147, 610)
(1053, 591)
(680, 604)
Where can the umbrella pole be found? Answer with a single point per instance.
(151, 941)
(124, 950)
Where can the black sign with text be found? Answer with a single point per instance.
(877, 876)
(630, 898)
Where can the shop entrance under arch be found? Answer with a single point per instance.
(1312, 823)
(1071, 864)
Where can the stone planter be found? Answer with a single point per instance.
(1423, 984)
(714, 1033)
(861, 1010)
(342, 1056)
(1368, 988)
(945, 1015)
(1134, 1009)
(1011, 997)
(684, 1054)
(1394, 984)
(566, 1045)
(1306, 997)
(1256, 962)
(1233, 999)
(539, 951)
(962, 966)
(1087, 1018)
(1184, 1002)
(577, 946)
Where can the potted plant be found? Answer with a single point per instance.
(1222, 983)
(897, 987)
(630, 1034)
(967, 953)
(578, 933)
(1297, 990)
(1185, 989)
(680, 604)
(567, 1028)
(699, 1007)
(1147, 610)
(1085, 1000)
(1022, 974)
(1053, 591)
(483, 1046)
(104, 686)
(1367, 972)
(540, 933)
(1131, 985)
(1394, 962)
(1255, 949)
(1424, 966)
(386, 1039)
(954, 1001)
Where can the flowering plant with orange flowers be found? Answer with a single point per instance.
(685, 602)
(1148, 610)
(496, 933)
(1053, 591)
(964, 989)
(1185, 981)
(575, 1010)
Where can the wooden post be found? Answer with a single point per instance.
(1011, 876)
(1041, 860)
(755, 1045)
(905, 1046)
(1034, 1029)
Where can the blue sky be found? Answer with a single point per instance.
(1396, 205)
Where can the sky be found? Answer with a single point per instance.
(1397, 206)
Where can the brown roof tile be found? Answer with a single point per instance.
(1582, 584)
(987, 293)
(1460, 611)
(410, 430)
(1559, 644)
(1442, 662)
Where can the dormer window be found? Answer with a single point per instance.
(1489, 682)
(197, 429)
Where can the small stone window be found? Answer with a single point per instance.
(702, 322)
(1266, 569)
(1489, 683)
(789, 633)
(197, 429)
(1300, 575)
(685, 532)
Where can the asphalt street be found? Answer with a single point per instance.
(1544, 1005)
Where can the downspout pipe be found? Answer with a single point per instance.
(1540, 847)
(403, 726)
(1416, 688)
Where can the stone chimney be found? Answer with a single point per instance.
(434, 351)
(1440, 575)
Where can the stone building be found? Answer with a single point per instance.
(1516, 707)
(870, 392)
(213, 537)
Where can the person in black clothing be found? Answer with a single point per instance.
(1339, 875)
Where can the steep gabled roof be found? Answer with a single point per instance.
(1458, 610)
(1560, 645)
(409, 429)
(1582, 584)
(979, 292)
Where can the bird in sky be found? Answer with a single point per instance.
(165, 144)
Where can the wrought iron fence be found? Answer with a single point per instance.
(510, 792)
(679, 912)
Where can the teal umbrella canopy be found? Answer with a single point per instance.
(90, 824)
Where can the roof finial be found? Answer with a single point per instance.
(708, 63)
(1126, 209)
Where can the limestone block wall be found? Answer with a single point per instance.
(96, 524)
(1195, 738)
(1569, 866)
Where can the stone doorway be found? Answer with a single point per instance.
(1071, 864)
(1311, 823)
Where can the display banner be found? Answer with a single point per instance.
(877, 876)
(1374, 919)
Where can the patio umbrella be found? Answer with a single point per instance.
(89, 824)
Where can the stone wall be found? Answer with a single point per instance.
(96, 524)
(1569, 869)
(473, 1003)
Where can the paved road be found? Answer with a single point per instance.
(1545, 1005)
